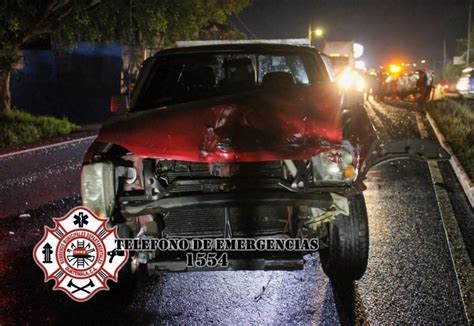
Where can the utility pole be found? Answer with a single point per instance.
(309, 34)
(469, 34)
(315, 34)
(444, 53)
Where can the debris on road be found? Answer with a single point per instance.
(259, 296)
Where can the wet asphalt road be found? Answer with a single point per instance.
(29, 180)
(410, 277)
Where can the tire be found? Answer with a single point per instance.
(345, 257)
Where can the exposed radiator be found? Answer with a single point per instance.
(244, 221)
(187, 170)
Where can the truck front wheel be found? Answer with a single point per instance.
(345, 253)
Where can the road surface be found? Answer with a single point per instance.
(410, 277)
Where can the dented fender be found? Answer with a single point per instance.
(413, 148)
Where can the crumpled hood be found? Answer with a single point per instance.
(260, 125)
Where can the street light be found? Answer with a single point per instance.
(315, 33)
(423, 61)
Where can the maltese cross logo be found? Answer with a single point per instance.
(74, 254)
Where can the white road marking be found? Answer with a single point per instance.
(459, 256)
(46, 146)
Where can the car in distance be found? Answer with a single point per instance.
(465, 84)
(240, 140)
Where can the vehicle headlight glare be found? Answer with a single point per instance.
(346, 80)
(360, 83)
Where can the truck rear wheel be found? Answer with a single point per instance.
(345, 254)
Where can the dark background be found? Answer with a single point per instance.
(406, 30)
(76, 84)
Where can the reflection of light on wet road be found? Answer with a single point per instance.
(409, 276)
(376, 213)
(247, 296)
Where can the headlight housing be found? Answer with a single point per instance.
(335, 166)
(97, 188)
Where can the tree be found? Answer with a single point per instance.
(461, 46)
(216, 31)
(146, 23)
(451, 72)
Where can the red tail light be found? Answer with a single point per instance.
(113, 104)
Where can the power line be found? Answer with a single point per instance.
(252, 35)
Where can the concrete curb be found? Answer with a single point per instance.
(466, 183)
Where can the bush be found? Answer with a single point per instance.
(18, 127)
(451, 73)
(456, 122)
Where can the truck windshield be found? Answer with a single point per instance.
(182, 78)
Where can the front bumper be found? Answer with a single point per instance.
(271, 198)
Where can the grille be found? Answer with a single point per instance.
(186, 170)
(244, 174)
(244, 221)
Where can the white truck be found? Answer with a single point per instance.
(341, 53)
(343, 56)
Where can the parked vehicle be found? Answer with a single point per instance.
(411, 84)
(240, 140)
(446, 86)
(465, 84)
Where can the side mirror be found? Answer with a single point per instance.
(119, 104)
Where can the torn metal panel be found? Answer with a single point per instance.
(318, 216)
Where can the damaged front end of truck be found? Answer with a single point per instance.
(267, 162)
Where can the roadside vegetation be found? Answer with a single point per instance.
(456, 122)
(146, 24)
(18, 127)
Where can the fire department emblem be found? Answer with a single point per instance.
(80, 254)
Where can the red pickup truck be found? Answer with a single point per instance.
(240, 140)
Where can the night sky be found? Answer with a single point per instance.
(401, 30)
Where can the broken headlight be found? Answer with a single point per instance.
(333, 166)
(97, 188)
